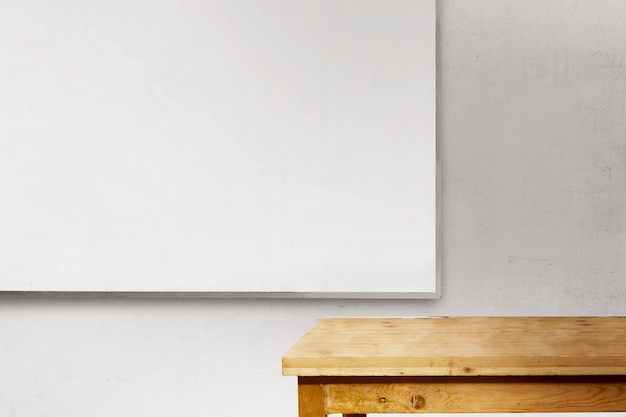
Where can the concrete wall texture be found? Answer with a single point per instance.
(532, 123)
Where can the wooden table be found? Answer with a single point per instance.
(460, 364)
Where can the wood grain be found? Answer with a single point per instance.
(461, 346)
(311, 398)
(475, 395)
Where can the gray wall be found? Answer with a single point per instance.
(533, 151)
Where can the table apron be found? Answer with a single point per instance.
(370, 395)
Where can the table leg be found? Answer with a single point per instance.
(355, 415)
(311, 398)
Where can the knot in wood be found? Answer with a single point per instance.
(417, 402)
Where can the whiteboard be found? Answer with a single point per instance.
(269, 147)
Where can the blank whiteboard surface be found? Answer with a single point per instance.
(218, 146)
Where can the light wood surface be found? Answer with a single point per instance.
(475, 395)
(312, 400)
(461, 346)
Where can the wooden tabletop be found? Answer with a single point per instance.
(461, 346)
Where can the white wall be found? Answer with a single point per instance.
(531, 123)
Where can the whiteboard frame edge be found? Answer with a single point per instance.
(223, 295)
